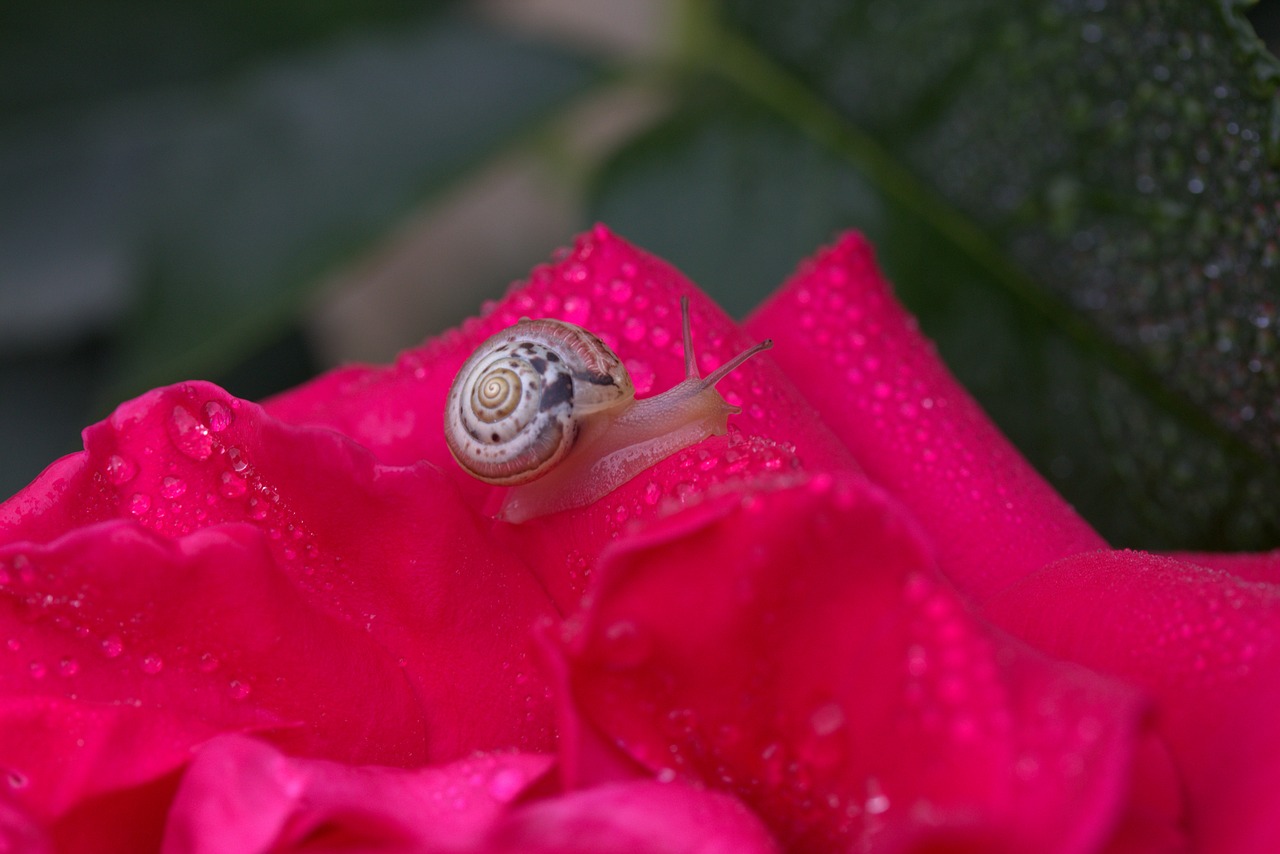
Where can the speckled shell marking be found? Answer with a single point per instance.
(517, 405)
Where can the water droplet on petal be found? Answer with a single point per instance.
(625, 644)
(38, 670)
(823, 745)
(112, 646)
(238, 462)
(233, 485)
(173, 487)
(190, 436)
(620, 290)
(120, 469)
(577, 310)
(239, 690)
(877, 801)
(208, 662)
(152, 664)
(139, 504)
(217, 415)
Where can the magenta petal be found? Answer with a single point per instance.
(387, 552)
(19, 833)
(632, 301)
(124, 650)
(241, 796)
(878, 383)
(1247, 566)
(1204, 644)
(798, 649)
(642, 817)
(202, 568)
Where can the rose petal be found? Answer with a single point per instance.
(241, 796)
(291, 585)
(878, 383)
(632, 301)
(124, 650)
(1205, 644)
(1257, 566)
(18, 832)
(641, 817)
(798, 649)
(388, 551)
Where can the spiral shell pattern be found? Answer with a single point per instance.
(517, 405)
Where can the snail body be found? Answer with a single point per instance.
(547, 408)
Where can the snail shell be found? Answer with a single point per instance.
(546, 407)
(517, 405)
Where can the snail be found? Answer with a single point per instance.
(547, 408)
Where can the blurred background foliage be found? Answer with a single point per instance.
(1079, 198)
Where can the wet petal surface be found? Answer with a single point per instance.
(798, 649)
(860, 359)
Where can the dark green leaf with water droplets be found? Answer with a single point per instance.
(1078, 198)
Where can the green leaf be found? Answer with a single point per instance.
(1007, 250)
(1121, 156)
(206, 210)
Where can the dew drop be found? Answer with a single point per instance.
(173, 487)
(620, 290)
(68, 667)
(633, 329)
(208, 663)
(239, 690)
(625, 644)
(577, 310)
(189, 436)
(660, 336)
(139, 504)
(877, 801)
(38, 670)
(233, 485)
(120, 469)
(217, 416)
(152, 664)
(112, 646)
(13, 645)
(823, 745)
(652, 494)
(238, 462)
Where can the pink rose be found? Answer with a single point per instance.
(859, 621)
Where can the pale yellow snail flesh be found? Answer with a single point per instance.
(546, 408)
